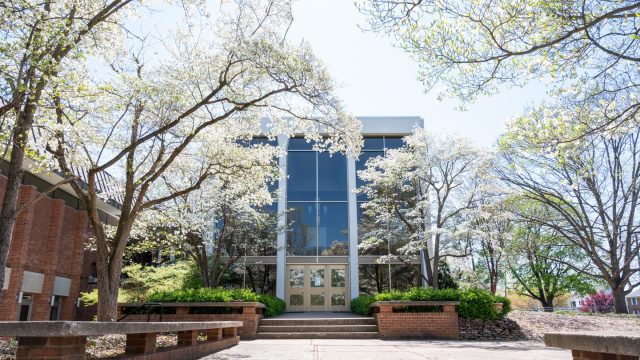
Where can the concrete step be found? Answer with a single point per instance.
(317, 335)
(317, 328)
(318, 322)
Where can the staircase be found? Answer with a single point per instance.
(299, 327)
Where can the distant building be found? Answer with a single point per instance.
(633, 301)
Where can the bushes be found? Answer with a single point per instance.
(274, 306)
(474, 303)
(599, 302)
(360, 305)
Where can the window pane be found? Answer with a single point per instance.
(316, 278)
(296, 278)
(373, 143)
(361, 165)
(333, 229)
(301, 237)
(301, 168)
(393, 142)
(332, 177)
(300, 144)
(337, 277)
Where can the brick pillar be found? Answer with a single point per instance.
(41, 310)
(448, 308)
(67, 348)
(140, 343)
(248, 310)
(187, 338)
(81, 229)
(384, 308)
(214, 334)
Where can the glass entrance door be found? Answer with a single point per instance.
(317, 288)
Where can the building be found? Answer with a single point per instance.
(633, 301)
(46, 254)
(318, 265)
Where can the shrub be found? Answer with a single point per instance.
(600, 302)
(474, 303)
(196, 295)
(361, 304)
(274, 306)
(506, 306)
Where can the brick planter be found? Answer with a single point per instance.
(397, 319)
(249, 313)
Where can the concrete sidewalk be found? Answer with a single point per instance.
(378, 349)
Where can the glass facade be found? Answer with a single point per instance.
(317, 211)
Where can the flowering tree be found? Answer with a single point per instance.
(417, 194)
(164, 128)
(226, 218)
(41, 47)
(600, 302)
(471, 48)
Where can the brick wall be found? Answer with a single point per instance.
(48, 238)
(422, 325)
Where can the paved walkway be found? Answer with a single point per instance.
(387, 350)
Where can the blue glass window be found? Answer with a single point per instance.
(301, 168)
(373, 143)
(332, 177)
(333, 229)
(393, 142)
(301, 235)
(300, 144)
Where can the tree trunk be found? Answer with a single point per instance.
(619, 301)
(108, 287)
(547, 304)
(12, 188)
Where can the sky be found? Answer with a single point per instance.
(377, 79)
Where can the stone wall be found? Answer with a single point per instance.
(473, 329)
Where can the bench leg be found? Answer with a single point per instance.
(67, 348)
(214, 334)
(229, 332)
(187, 338)
(140, 343)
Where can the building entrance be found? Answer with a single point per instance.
(317, 287)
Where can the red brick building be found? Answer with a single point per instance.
(46, 254)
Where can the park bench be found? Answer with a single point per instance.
(67, 339)
(597, 345)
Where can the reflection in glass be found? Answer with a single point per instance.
(373, 143)
(361, 165)
(332, 177)
(300, 144)
(317, 300)
(317, 278)
(296, 278)
(337, 299)
(301, 236)
(301, 169)
(337, 278)
(333, 229)
(296, 299)
(367, 224)
(393, 142)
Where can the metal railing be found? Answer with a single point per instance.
(143, 306)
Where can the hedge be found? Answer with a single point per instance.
(474, 303)
(274, 305)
